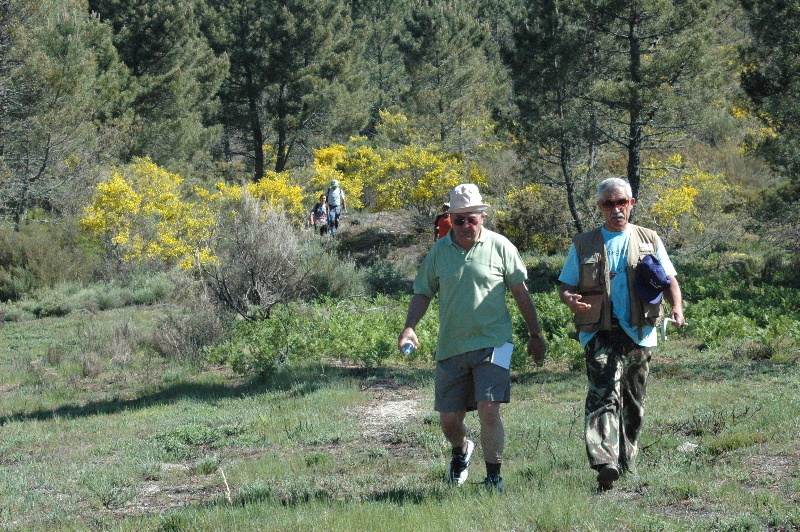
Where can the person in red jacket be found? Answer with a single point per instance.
(442, 224)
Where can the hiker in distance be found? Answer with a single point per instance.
(442, 223)
(319, 215)
(336, 204)
(470, 269)
(615, 280)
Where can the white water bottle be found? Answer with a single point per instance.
(407, 348)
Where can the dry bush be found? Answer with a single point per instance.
(260, 261)
(91, 365)
(184, 335)
(55, 354)
(123, 343)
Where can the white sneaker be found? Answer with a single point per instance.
(457, 474)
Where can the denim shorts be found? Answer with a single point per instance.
(464, 380)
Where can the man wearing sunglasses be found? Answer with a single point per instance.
(469, 269)
(617, 321)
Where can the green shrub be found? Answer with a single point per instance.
(332, 275)
(361, 330)
(736, 440)
(556, 321)
(186, 440)
(15, 282)
(384, 278)
(543, 271)
(207, 465)
(153, 289)
(40, 255)
(110, 489)
(13, 312)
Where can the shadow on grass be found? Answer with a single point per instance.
(407, 495)
(711, 370)
(294, 381)
(717, 370)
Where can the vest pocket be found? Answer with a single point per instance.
(592, 288)
(589, 321)
(652, 313)
(591, 275)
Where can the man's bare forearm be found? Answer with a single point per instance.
(416, 310)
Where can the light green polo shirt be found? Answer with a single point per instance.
(472, 291)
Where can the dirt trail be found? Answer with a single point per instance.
(390, 407)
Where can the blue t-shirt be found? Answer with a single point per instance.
(617, 251)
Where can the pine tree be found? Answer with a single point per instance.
(450, 79)
(293, 74)
(772, 79)
(378, 23)
(177, 78)
(61, 84)
(552, 67)
(654, 72)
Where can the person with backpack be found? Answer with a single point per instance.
(319, 215)
(336, 204)
(615, 280)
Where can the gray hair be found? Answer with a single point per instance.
(614, 183)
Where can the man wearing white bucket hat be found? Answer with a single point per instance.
(470, 269)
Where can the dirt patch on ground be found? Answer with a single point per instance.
(771, 471)
(391, 407)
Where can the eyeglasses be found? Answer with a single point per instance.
(607, 205)
(472, 220)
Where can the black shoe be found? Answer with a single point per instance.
(457, 474)
(493, 483)
(606, 476)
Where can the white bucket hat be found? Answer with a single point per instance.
(466, 198)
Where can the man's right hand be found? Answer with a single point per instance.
(572, 299)
(408, 335)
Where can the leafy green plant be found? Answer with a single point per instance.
(207, 465)
(361, 330)
(735, 440)
(110, 488)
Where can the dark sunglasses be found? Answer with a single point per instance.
(607, 205)
(472, 220)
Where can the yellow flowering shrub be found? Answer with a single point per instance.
(347, 165)
(406, 175)
(673, 204)
(142, 211)
(145, 213)
(277, 191)
(397, 128)
(684, 198)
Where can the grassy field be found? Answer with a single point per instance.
(100, 436)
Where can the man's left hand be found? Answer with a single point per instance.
(537, 347)
(678, 319)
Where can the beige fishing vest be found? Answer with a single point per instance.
(595, 284)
